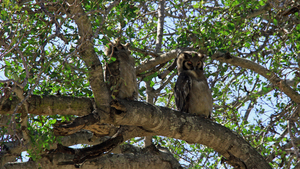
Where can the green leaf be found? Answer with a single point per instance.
(265, 89)
(298, 27)
(231, 26)
(247, 45)
(152, 84)
(275, 22)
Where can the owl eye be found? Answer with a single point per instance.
(189, 62)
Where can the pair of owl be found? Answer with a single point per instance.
(192, 94)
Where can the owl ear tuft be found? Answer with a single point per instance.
(202, 56)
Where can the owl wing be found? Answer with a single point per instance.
(182, 90)
(112, 74)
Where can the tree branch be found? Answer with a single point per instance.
(160, 25)
(144, 52)
(259, 11)
(50, 105)
(159, 60)
(138, 159)
(87, 53)
(166, 122)
(271, 76)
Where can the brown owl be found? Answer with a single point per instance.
(192, 94)
(120, 72)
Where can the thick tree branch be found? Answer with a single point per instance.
(98, 150)
(87, 53)
(50, 105)
(166, 122)
(81, 137)
(78, 124)
(141, 159)
(81, 155)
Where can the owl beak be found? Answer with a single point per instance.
(195, 67)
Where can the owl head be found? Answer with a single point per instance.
(190, 60)
(116, 48)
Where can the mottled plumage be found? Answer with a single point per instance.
(192, 94)
(120, 73)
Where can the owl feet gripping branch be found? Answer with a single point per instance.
(192, 94)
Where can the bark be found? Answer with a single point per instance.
(166, 122)
(141, 158)
(144, 52)
(140, 119)
(159, 60)
(159, 37)
(89, 56)
(149, 98)
(143, 118)
(160, 25)
(12, 150)
(154, 122)
(50, 105)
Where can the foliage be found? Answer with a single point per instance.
(39, 50)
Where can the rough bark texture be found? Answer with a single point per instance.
(140, 159)
(87, 53)
(160, 25)
(170, 123)
(104, 127)
(51, 105)
(166, 122)
(147, 119)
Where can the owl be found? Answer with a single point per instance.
(192, 94)
(120, 72)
